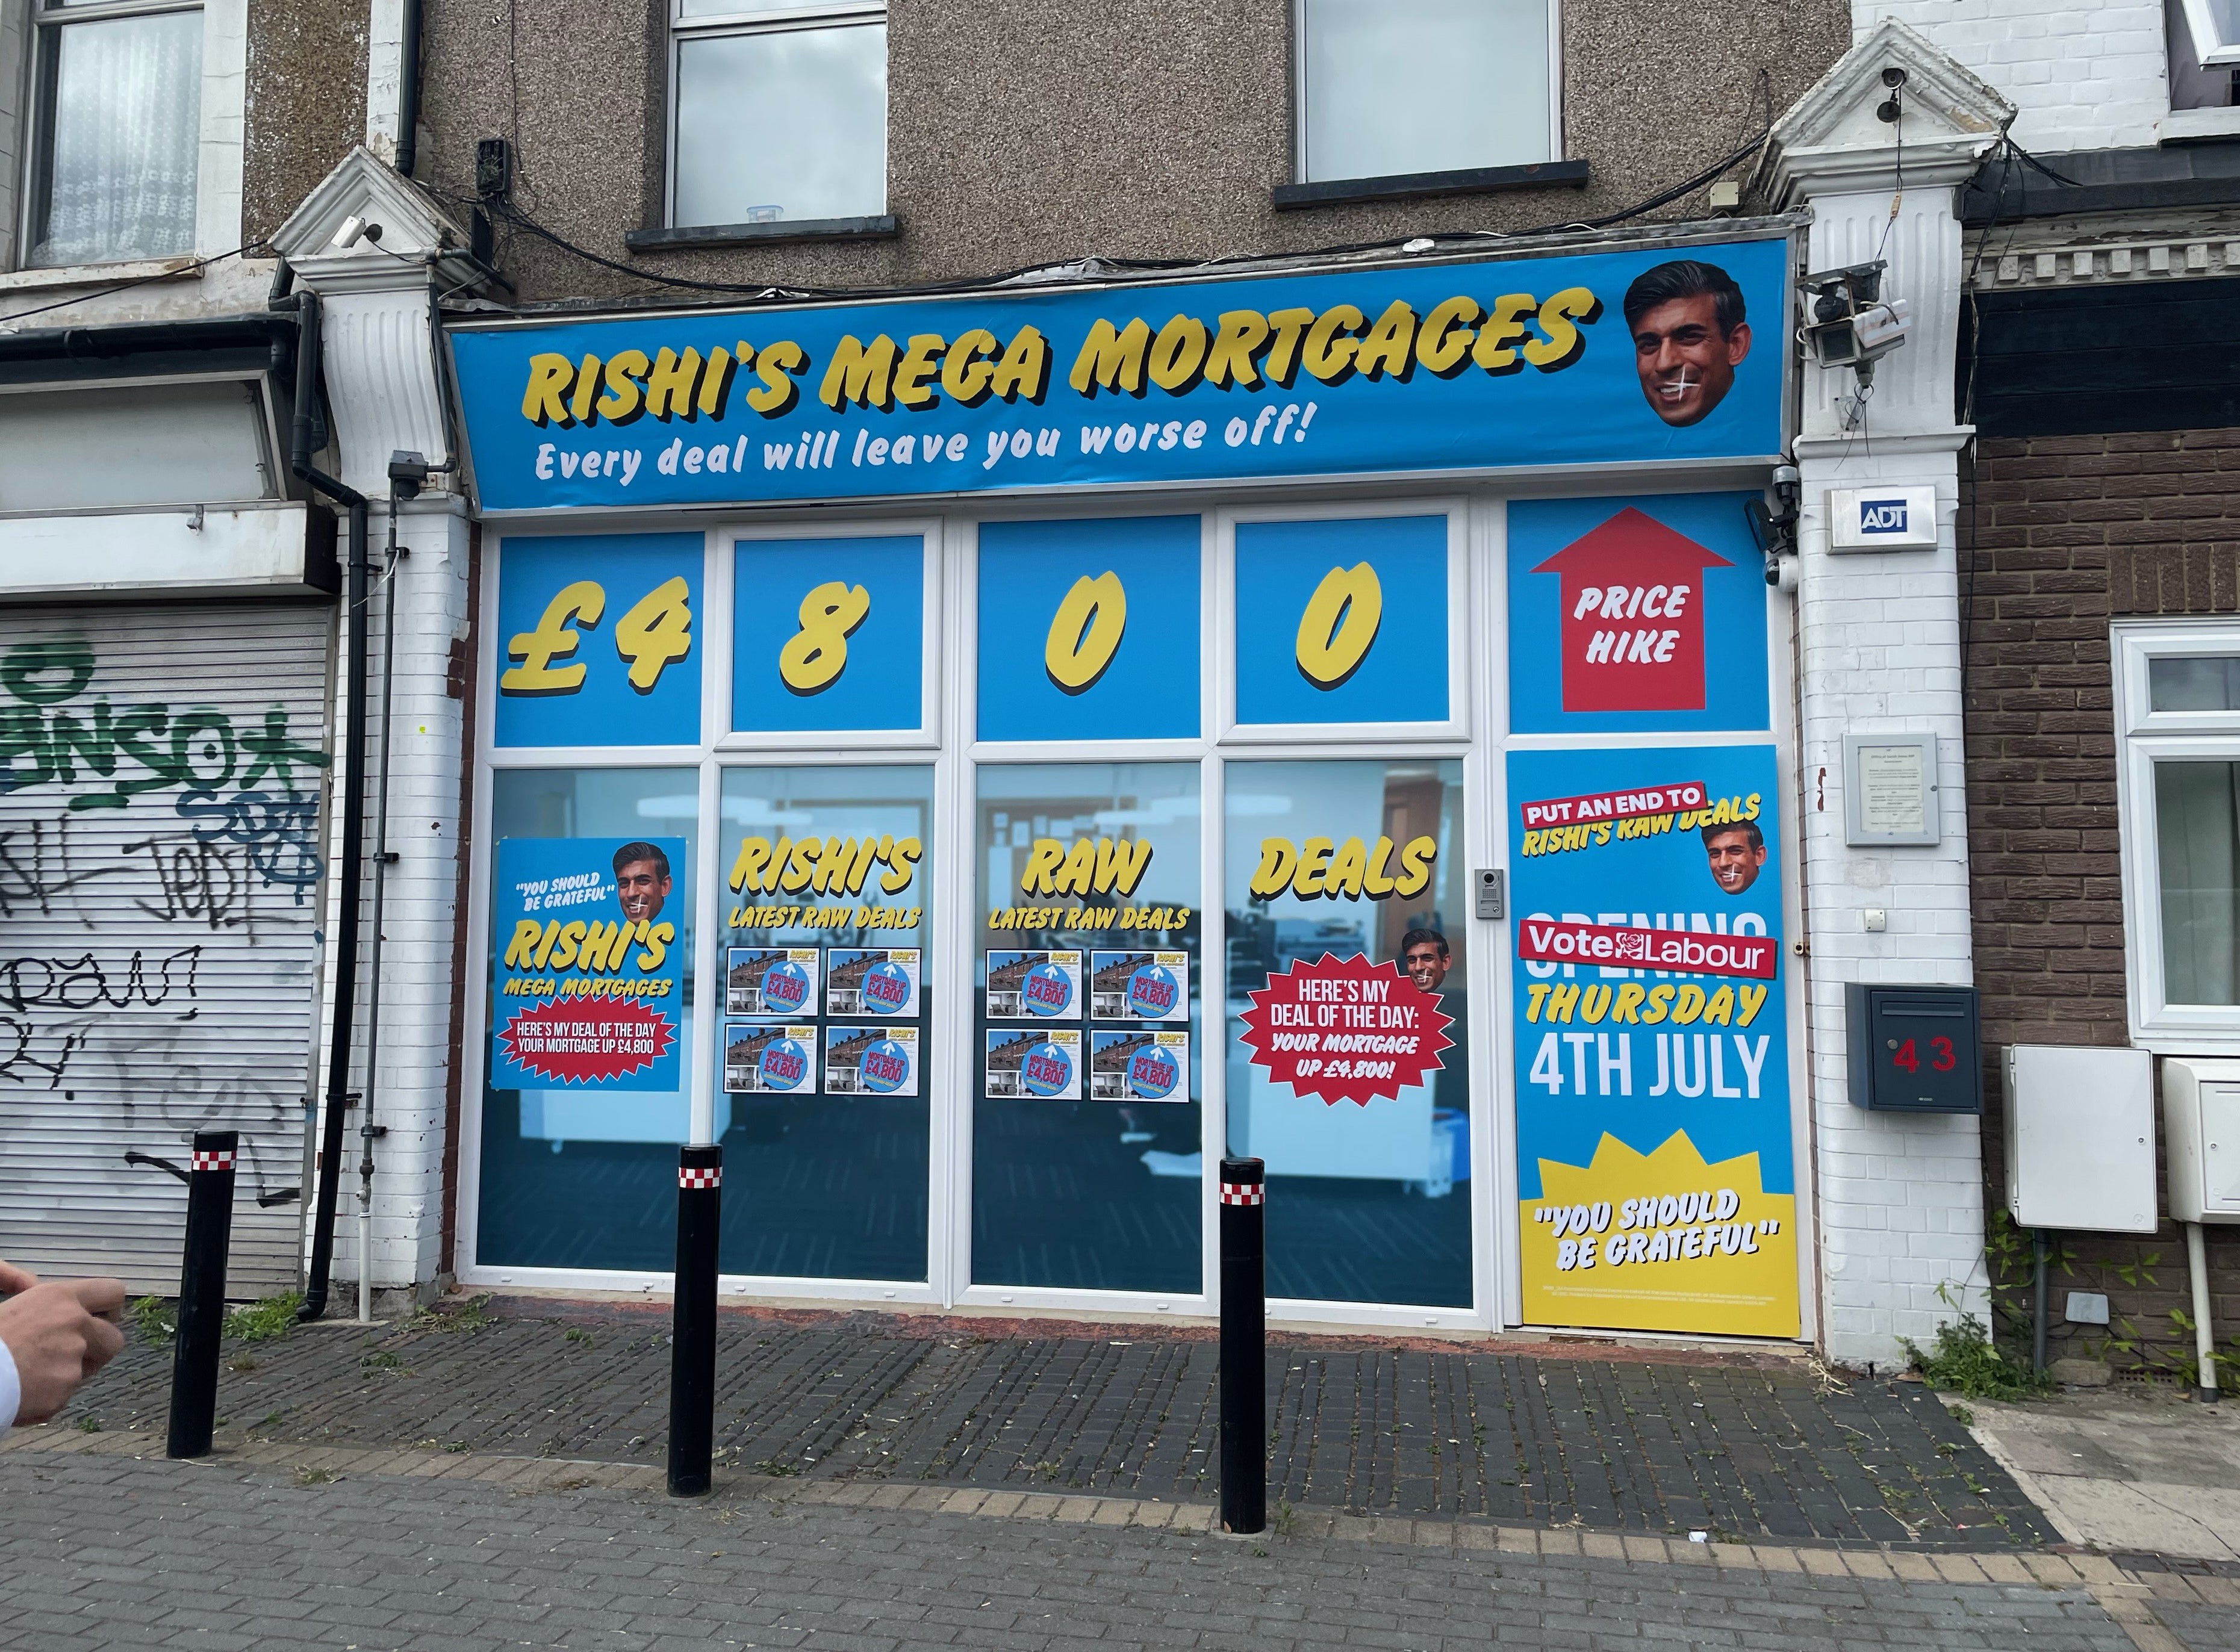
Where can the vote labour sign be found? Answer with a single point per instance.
(1345, 1029)
(1633, 616)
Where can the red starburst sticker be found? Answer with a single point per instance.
(582, 1040)
(1345, 1029)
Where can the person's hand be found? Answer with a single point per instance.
(58, 1335)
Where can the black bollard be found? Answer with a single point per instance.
(201, 1294)
(692, 1352)
(1243, 1346)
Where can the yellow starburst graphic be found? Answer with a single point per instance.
(1660, 1242)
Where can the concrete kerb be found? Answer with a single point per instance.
(2128, 1596)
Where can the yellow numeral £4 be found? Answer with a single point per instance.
(655, 633)
(585, 600)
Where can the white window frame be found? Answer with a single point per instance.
(748, 17)
(219, 141)
(2145, 735)
(1302, 174)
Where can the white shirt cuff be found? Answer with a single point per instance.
(12, 1390)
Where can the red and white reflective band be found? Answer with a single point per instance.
(213, 1162)
(705, 1175)
(1243, 1193)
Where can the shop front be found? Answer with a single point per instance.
(980, 758)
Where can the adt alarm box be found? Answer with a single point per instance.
(1915, 1049)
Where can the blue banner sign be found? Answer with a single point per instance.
(1591, 358)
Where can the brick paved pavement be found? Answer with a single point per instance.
(100, 1550)
(1751, 1449)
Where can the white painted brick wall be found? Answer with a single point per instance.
(2083, 75)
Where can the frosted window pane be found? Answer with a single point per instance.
(1396, 86)
(122, 126)
(2197, 835)
(2210, 682)
(774, 128)
(154, 445)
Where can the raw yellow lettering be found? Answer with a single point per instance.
(626, 371)
(1330, 343)
(655, 633)
(918, 364)
(1442, 342)
(1416, 866)
(1496, 347)
(1112, 360)
(773, 367)
(1120, 864)
(534, 651)
(1564, 342)
(814, 656)
(1386, 348)
(1273, 875)
(543, 400)
(1043, 859)
(670, 387)
(1025, 368)
(1177, 353)
(1079, 871)
(965, 371)
(1084, 633)
(1242, 332)
(859, 373)
(1339, 623)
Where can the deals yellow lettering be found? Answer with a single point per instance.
(1321, 867)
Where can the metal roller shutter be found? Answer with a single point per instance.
(164, 773)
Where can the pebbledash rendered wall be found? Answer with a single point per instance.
(2064, 535)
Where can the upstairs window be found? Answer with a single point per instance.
(116, 131)
(1393, 87)
(780, 111)
(2204, 52)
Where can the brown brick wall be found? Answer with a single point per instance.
(2059, 536)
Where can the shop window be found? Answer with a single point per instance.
(1368, 1199)
(1086, 1154)
(115, 135)
(1393, 87)
(2178, 705)
(780, 111)
(828, 1001)
(579, 1149)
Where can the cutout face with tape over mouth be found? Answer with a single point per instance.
(1689, 337)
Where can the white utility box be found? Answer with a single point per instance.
(2081, 1138)
(2201, 1113)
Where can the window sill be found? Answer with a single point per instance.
(881, 228)
(101, 275)
(1479, 180)
(2184, 125)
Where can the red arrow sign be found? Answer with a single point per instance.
(1633, 616)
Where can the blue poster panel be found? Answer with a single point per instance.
(1089, 629)
(829, 635)
(599, 641)
(1653, 1126)
(589, 974)
(1640, 615)
(1343, 621)
(1412, 369)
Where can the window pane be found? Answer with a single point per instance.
(1424, 85)
(574, 1176)
(781, 126)
(122, 102)
(1086, 1167)
(2198, 836)
(189, 444)
(1366, 1202)
(2210, 682)
(694, 10)
(824, 1036)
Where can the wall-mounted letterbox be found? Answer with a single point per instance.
(1914, 1049)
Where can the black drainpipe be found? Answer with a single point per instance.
(308, 379)
(408, 91)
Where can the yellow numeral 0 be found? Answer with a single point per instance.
(585, 600)
(655, 633)
(1084, 634)
(1340, 623)
(815, 654)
